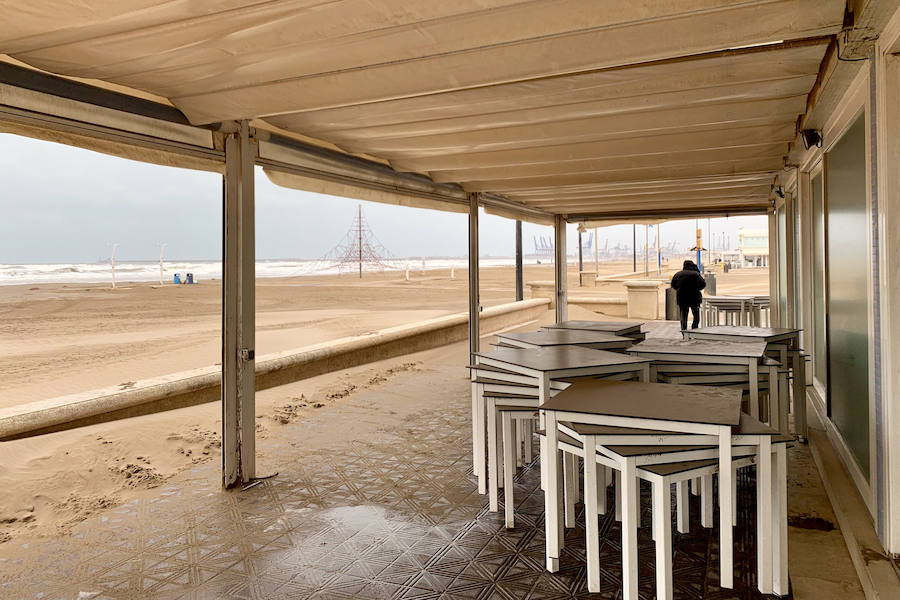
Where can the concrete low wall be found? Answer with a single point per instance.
(616, 307)
(198, 386)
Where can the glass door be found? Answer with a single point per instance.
(847, 259)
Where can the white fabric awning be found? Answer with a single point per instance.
(575, 107)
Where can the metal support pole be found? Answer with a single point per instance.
(658, 253)
(360, 240)
(596, 253)
(559, 280)
(634, 246)
(238, 311)
(646, 251)
(520, 280)
(580, 260)
(474, 296)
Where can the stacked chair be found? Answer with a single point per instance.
(665, 459)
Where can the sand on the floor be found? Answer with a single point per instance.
(60, 339)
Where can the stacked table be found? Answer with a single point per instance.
(785, 342)
(714, 359)
(598, 340)
(708, 412)
(539, 366)
(738, 310)
(624, 329)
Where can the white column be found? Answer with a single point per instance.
(560, 269)
(474, 295)
(886, 184)
(238, 311)
(774, 317)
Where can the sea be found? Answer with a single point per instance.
(204, 270)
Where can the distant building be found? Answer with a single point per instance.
(753, 245)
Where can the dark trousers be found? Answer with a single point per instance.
(684, 314)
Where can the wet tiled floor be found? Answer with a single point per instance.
(392, 515)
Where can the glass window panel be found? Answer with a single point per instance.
(847, 249)
(781, 224)
(820, 357)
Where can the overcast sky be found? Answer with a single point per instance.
(67, 205)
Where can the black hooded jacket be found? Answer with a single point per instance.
(687, 283)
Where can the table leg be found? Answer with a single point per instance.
(764, 515)
(591, 524)
(550, 463)
(784, 402)
(682, 506)
(602, 484)
(492, 476)
(570, 481)
(780, 554)
(629, 530)
(478, 450)
(508, 469)
(799, 372)
(529, 440)
(576, 489)
(617, 490)
(774, 399)
(753, 376)
(662, 526)
(517, 443)
(543, 396)
(706, 501)
(726, 534)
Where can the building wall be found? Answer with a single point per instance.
(837, 276)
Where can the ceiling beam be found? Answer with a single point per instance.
(524, 183)
(619, 163)
(699, 195)
(629, 125)
(694, 212)
(728, 137)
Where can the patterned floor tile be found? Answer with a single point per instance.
(388, 519)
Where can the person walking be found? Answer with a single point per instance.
(687, 283)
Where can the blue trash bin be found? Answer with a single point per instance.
(190, 278)
(177, 279)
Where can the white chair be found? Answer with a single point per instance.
(753, 442)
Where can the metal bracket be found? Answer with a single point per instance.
(247, 354)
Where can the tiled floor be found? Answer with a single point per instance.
(392, 515)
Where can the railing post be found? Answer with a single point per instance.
(560, 268)
(520, 281)
(474, 296)
(238, 310)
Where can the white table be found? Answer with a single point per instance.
(540, 365)
(709, 356)
(623, 328)
(739, 306)
(786, 341)
(598, 340)
(749, 437)
(698, 410)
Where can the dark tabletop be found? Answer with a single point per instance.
(701, 347)
(663, 401)
(560, 358)
(559, 337)
(617, 328)
(755, 332)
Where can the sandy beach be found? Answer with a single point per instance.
(58, 339)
